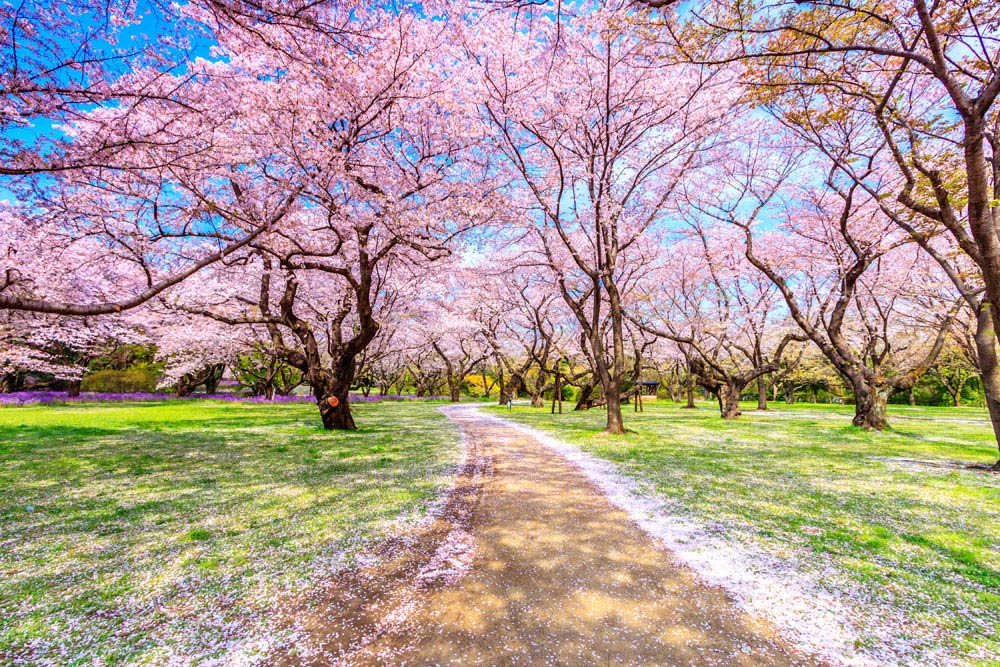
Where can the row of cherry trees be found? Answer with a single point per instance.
(366, 193)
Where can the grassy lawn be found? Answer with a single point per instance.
(159, 531)
(914, 547)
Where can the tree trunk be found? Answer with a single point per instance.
(957, 396)
(538, 388)
(338, 418)
(912, 399)
(674, 391)
(729, 400)
(980, 214)
(615, 423)
(557, 394)
(212, 378)
(335, 417)
(508, 392)
(74, 388)
(989, 368)
(690, 394)
(583, 400)
(984, 231)
(206, 375)
(332, 389)
(869, 406)
(761, 393)
(614, 377)
(455, 390)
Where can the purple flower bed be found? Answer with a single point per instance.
(44, 397)
(358, 398)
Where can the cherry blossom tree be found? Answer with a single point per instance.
(905, 89)
(536, 321)
(877, 307)
(382, 363)
(62, 347)
(598, 138)
(888, 149)
(264, 374)
(460, 355)
(922, 72)
(529, 330)
(56, 345)
(705, 297)
(195, 350)
(425, 370)
(448, 328)
(94, 107)
(954, 369)
(375, 151)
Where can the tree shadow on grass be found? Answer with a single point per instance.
(32, 435)
(967, 563)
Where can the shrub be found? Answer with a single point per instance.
(132, 380)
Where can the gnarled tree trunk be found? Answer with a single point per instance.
(10, 382)
(508, 392)
(206, 375)
(729, 400)
(213, 377)
(336, 414)
(869, 406)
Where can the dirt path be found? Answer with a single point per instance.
(561, 577)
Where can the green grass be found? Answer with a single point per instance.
(134, 533)
(914, 546)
